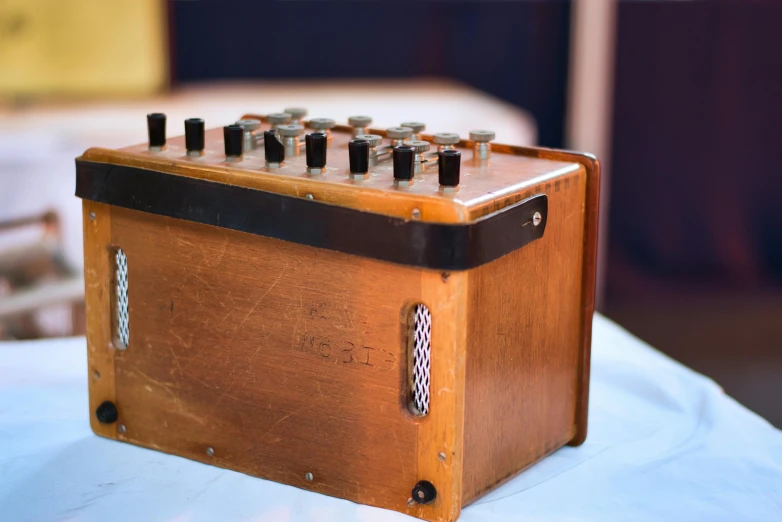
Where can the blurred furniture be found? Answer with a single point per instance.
(35, 278)
(82, 48)
(514, 49)
(695, 257)
(665, 443)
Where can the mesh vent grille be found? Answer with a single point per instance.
(123, 327)
(422, 352)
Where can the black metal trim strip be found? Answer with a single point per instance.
(407, 242)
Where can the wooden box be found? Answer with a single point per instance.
(263, 319)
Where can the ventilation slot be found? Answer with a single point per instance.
(420, 360)
(121, 278)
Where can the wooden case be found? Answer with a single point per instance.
(251, 349)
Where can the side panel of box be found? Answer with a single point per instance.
(524, 348)
(275, 359)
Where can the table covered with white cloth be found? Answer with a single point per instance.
(664, 443)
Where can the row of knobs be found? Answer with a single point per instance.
(407, 153)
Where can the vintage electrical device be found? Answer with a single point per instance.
(387, 316)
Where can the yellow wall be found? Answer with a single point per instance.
(82, 46)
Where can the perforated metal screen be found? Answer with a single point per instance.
(422, 355)
(123, 326)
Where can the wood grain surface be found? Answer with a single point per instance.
(290, 362)
(524, 350)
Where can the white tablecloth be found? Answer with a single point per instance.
(664, 444)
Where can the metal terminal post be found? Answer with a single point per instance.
(374, 140)
(359, 124)
(290, 138)
(398, 135)
(416, 126)
(279, 118)
(445, 140)
(481, 149)
(419, 147)
(249, 139)
(323, 125)
(297, 113)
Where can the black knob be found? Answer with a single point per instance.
(449, 163)
(424, 492)
(358, 152)
(156, 127)
(273, 148)
(234, 140)
(316, 150)
(107, 412)
(194, 134)
(404, 163)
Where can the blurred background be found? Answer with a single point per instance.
(680, 100)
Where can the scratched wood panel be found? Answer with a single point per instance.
(98, 270)
(525, 347)
(284, 359)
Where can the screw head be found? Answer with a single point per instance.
(249, 124)
(290, 130)
(210, 451)
(446, 138)
(121, 428)
(309, 196)
(482, 136)
(536, 219)
(322, 123)
(308, 477)
(416, 214)
(279, 117)
(359, 121)
(296, 112)
(92, 216)
(441, 456)
(417, 126)
(373, 139)
(399, 133)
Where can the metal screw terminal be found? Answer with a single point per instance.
(290, 138)
(398, 135)
(416, 126)
(297, 113)
(279, 118)
(323, 125)
(445, 140)
(481, 149)
(420, 147)
(248, 138)
(374, 140)
(359, 124)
